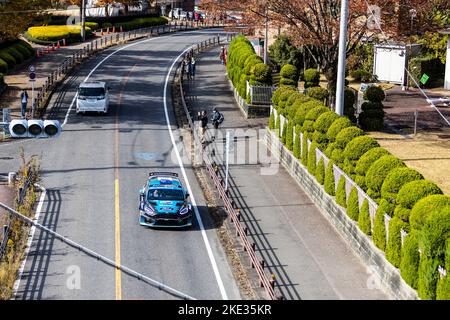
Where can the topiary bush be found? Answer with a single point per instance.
(308, 129)
(368, 158)
(428, 278)
(304, 151)
(378, 172)
(372, 120)
(261, 74)
(297, 143)
(397, 178)
(374, 94)
(277, 126)
(290, 136)
(320, 171)
(321, 139)
(290, 72)
(394, 243)
(434, 234)
(312, 78)
(364, 222)
(409, 264)
(353, 204)
(329, 183)
(346, 135)
(3, 66)
(318, 93)
(302, 109)
(272, 120)
(341, 196)
(427, 206)
(357, 147)
(349, 104)
(284, 132)
(443, 288)
(312, 158)
(324, 121)
(339, 124)
(379, 228)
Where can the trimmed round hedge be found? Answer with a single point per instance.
(353, 204)
(325, 120)
(337, 126)
(303, 109)
(315, 112)
(395, 180)
(364, 222)
(427, 206)
(318, 93)
(428, 278)
(312, 78)
(379, 170)
(374, 94)
(289, 71)
(3, 66)
(413, 191)
(409, 264)
(368, 158)
(394, 243)
(356, 148)
(320, 171)
(329, 179)
(346, 135)
(435, 232)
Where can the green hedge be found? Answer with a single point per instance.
(318, 93)
(324, 121)
(290, 72)
(425, 207)
(346, 135)
(329, 183)
(3, 66)
(368, 158)
(341, 196)
(304, 151)
(409, 265)
(320, 171)
(379, 227)
(312, 78)
(283, 133)
(290, 136)
(353, 204)
(364, 222)
(303, 109)
(297, 143)
(337, 126)
(395, 180)
(272, 120)
(428, 278)
(349, 104)
(312, 158)
(13, 54)
(443, 288)
(378, 172)
(394, 243)
(357, 147)
(374, 94)
(435, 232)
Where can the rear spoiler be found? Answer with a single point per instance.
(170, 174)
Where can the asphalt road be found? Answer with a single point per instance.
(93, 172)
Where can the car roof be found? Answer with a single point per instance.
(93, 84)
(166, 182)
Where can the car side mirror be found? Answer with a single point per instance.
(187, 195)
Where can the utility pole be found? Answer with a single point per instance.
(83, 20)
(342, 56)
(266, 37)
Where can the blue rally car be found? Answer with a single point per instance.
(163, 202)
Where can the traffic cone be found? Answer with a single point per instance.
(102, 32)
(58, 46)
(107, 30)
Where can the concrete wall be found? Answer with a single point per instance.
(374, 258)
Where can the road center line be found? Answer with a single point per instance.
(117, 187)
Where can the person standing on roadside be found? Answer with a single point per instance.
(24, 100)
(221, 55)
(193, 67)
(203, 118)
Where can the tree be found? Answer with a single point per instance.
(282, 52)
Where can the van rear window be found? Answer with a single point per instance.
(91, 92)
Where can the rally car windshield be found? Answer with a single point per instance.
(165, 194)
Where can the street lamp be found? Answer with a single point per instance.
(83, 20)
(342, 56)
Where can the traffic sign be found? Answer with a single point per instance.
(32, 68)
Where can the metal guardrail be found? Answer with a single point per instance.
(268, 283)
(99, 44)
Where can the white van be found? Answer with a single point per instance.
(93, 97)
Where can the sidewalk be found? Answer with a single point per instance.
(309, 258)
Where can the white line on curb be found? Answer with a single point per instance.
(30, 240)
(197, 214)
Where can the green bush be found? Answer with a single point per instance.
(413, 191)
(290, 72)
(303, 109)
(368, 158)
(23, 51)
(346, 135)
(304, 151)
(288, 82)
(378, 172)
(353, 204)
(337, 156)
(315, 112)
(321, 139)
(394, 243)
(409, 265)
(277, 94)
(379, 227)
(318, 93)
(284, 97)
(320, 171)
(362, 75)
(312, 78)
(297, 143)
(272, 120)
(261, 75)
(329, 179)
(277, 126)
(364, 222)
(341, 196)
(140, 23)
(283, 133)
(435, 232)
(368, 106)
(447, 255)
(394, 181)
(360, 181)
(374, 94)
(425, 207)
(324, 121)
(428, 278)
(16, 54)
(443, 288)
(290, 136)
(8, 58)
(337, 126)
(349, 104)
(372, 120)
(312, 158)
(357, 147)
(3, 66)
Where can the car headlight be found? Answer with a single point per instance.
(149, 211)
(185, 209)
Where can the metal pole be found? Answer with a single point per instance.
(342, 55)
(227, 148)
(32, 98)
(416, 114)
(266, 37)
(83, 20)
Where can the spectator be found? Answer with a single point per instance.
(189, 68)
(193, 67)
(222, 55)
(24, 100)
(217, 118)
(203, 117)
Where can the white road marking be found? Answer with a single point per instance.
(197, 214)
(30, 240)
